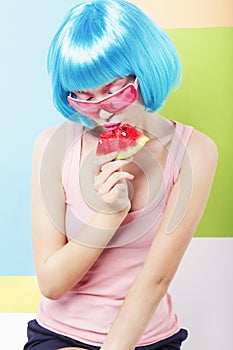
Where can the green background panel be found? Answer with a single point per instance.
(205, 100)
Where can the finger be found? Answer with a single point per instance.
(114, 194)
(100, 160)
(115, 165)
(109, 168)
(114, 179)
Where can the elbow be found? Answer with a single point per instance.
(157, 289)
(158, 279)
(154, 290)
(51, 285)
(162, 284)
(158, 284)
(51, 296)
(50, 291)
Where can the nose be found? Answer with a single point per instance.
(104, 114)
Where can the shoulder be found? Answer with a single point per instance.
(41, 144)
(202, 148)
(43, 138)
(50, 147)
(201, 157)
(53, 141)
(54, 134)
(52, 144)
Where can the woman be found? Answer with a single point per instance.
(109, 234)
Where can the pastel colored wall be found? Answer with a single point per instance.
(202, 32)
(189, 13)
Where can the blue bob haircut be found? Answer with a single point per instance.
(101, 40)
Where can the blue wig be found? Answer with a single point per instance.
(101, 40)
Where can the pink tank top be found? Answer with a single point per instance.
(88, 310)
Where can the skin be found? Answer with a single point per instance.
(53, 253)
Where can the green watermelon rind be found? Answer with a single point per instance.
(130, 151)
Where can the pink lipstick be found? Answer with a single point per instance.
(111, 126)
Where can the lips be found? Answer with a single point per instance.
(111, 126)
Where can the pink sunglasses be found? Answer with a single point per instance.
(118, 101)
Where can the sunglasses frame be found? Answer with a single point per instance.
(73, 101)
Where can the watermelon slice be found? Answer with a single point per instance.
(125, 139)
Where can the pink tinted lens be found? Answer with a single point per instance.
(114, 103)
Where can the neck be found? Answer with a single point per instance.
(153, 124)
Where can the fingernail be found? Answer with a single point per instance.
(112, 155)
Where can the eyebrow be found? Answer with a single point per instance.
(109, 85)
(83, 93)
(87, 93)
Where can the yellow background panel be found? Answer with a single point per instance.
(19, 294)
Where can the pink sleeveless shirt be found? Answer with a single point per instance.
(88, 310)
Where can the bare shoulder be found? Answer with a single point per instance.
(202, 150)
(46, 134)
(44, 137)
(51, 143)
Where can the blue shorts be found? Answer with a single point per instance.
(40, 338)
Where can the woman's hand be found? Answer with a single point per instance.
(110, 182)
(104, 184)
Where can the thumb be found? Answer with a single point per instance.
(101, 160)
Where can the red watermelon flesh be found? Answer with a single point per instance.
(125, 139)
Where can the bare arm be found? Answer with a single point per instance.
(166, 251)
(60, 264)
